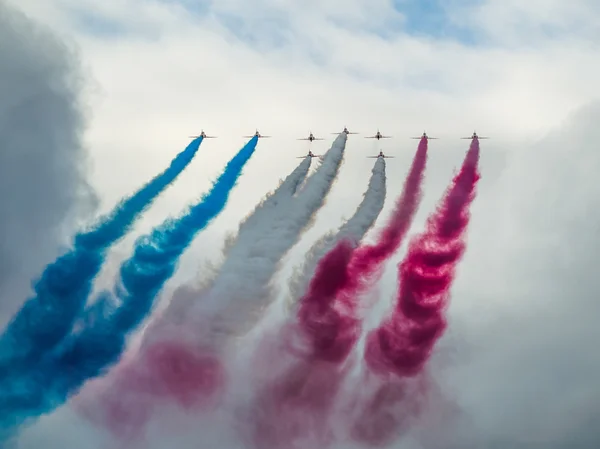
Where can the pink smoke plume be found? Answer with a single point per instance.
(368, 258)
(403, 343)
(294, 406)
(299, 402)
(329, 305)
(162, 373)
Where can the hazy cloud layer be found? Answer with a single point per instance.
(526, 331)
(42, 179)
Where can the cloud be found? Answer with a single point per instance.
(527, 371)
(42, 161)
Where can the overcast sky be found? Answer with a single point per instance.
(519, 359)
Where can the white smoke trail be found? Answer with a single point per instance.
(263, 212)
(241, 290)
(186, 295)
(355, 228)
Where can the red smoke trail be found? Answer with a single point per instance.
(327, 310)
(163, 373)
(297, 406)
(294, 408)
(403, 343)
(368, 258)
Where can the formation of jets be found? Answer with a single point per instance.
(311, 137)
(377, 136)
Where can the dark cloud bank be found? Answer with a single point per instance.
(42, 171)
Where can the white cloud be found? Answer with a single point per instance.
(523, 306)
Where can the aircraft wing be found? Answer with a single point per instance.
(318, 138)
(303, 138)
(373, 157)
(386, 137)
(370, 137)
(264, 137)
(210, 137)
(389, 157)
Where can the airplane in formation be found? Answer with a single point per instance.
(203, 135)
(475, 136)
(424, 136)
(310, 154)
(345, 131)
(378, 136)
(257, 134)
(311, 137)
(380, 155)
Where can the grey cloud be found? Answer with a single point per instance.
(42, 162)
(526, 365)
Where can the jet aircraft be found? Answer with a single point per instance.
(257, 134)
(203, 135)
(311, 137)
(378, 136)
(345, 131)
(424, 136)
(380, 155)
(310, 154)
(475, 136)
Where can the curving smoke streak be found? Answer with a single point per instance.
(293, 404)
(355, 229)
(175, 364)
(240, 291)
(65, 285)
(89, 352)
(327, 312)
(265, 213)
(399, 348)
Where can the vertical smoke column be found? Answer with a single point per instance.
(403, 343)
(64, 287)
(293, 406)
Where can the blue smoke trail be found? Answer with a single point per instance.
(63, 289)
(88, 353)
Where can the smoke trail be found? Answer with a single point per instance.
(293, 407)
(65, 285)
(327, 311)
(262, 241)
(402, 344)
(355, 229)
(256, 255)
(368, 259)
(88, 353)
(264, 214)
